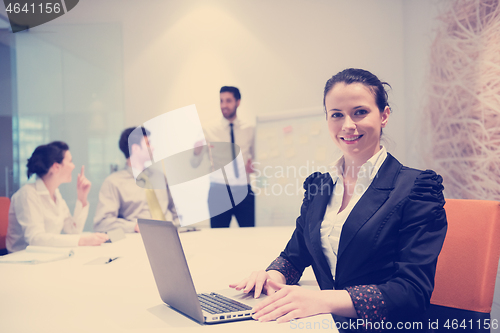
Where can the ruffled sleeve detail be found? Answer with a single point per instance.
(368, 302)
(428, 187)
(283, 266)
(311, 177)
(314, 185)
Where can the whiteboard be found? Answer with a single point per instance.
(288, 148)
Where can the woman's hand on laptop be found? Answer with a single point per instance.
(292, 302)
(258, 282)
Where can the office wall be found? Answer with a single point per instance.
(280, 53)
(452, 94)
(420, 19)
(69, 85)
(7, 112)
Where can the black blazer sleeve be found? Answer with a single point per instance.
(421, 235)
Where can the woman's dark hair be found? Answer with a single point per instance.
(355, 75)
(45, 156)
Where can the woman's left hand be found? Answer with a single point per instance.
(291, 302)
(82, 187)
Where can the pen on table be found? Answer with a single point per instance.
(111, 259)
(189, 229)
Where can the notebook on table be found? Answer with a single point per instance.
(174, 282)
(37, 255)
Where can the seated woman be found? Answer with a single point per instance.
(38, 213)
(371, 228)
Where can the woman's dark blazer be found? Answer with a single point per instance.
(389, 244)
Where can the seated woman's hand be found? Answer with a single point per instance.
(92, 239)
(258, 282)
(290, 302)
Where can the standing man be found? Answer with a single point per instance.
(230, 129)
(121, 200)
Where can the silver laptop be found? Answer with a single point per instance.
(174, 282)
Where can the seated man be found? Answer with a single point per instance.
(121, 200)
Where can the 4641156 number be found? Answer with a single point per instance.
(32, 8)
(486, 324)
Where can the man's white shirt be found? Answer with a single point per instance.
(220, 131)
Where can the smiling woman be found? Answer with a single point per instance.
(354, 121)
(371, 228)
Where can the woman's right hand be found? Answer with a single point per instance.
(94, 239)
(257, 281)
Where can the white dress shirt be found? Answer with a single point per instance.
(35, 219)
(333, 221)
(220, 131)
(122, 202)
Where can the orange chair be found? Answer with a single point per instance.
(4, 222)
(467, 266)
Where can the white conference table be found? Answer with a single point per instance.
(71, 296)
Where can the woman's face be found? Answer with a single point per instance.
(354, 120)
(65, 168)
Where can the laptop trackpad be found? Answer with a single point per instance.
(241, 296)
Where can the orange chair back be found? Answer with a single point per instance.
(467, 266)
(4, 220)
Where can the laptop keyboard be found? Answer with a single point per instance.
(216, 303)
